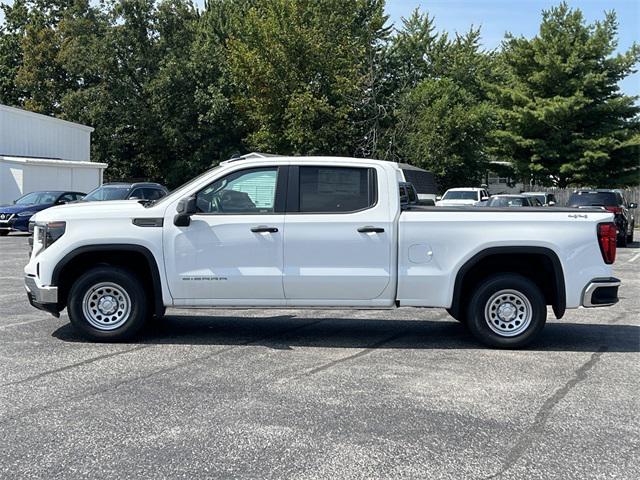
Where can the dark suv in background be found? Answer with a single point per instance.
(126, 191)
(613, 201)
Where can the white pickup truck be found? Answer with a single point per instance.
(316, 232)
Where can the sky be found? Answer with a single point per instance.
(520, 17)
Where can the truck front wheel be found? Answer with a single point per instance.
(107, 304)
(506, 311)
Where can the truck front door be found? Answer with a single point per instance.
(232, 251)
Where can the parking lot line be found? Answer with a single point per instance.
(23, 323)
(634, 258)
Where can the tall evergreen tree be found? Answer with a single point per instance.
(565, 121)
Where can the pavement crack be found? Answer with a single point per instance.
(73, 365)
(103, 389)
(371, 348)
(528, 437)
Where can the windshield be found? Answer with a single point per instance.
(108, 192)
(38, 198)
(461, 195)
(508, 202)
(540, 198)
(592, 198)
(185, 185)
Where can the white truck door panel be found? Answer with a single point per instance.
(220, 257)
(233, 248)
(325, 256)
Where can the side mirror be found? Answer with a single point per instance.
(633, 205)
(61, 202)
(134, 198)
(484, 199)
(438, 197)
(552, 204)
(186, 208)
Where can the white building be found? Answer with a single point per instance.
(38, 152)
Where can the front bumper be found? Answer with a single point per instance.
(42, 298)
(13, 227)
(601, 292)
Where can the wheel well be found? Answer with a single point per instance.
(540, 265)
(137, 260)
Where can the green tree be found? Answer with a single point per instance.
(564, 119)
(11, 35)
(443, 118)
(445, 129)
(298, 69)
(152, 90)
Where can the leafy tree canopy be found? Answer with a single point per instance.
(172, 90)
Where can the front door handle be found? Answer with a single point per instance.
(370, 229)
(264, 228)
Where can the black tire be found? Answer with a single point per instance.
(526, 308)
(120, 288)
(4, 233)
(622, 240)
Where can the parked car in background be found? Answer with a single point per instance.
(545, 198)
(459, 197)
(127, 191)
(15, 217)
(612, 201)
(423, 181)
(511, 201)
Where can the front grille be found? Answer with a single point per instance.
(6, 216)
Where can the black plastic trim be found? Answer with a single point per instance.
(51, 308)
(559, 307)
(467, 208)
(116, 247)
(148, 222)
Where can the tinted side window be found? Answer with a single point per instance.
(336, 189)
(606, 199)
(247, 191)
(137, 193)
(67, 197)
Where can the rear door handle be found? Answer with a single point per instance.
(264, 228)
(370, 229)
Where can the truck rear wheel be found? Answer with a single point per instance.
(107, 304)
(506, 311)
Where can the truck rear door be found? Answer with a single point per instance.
(338, 235)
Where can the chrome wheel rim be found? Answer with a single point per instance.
(106, 306)
(508, 313)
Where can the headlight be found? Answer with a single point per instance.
(46, 233)
(26, 214)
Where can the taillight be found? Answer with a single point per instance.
(614, 210)
(607, 235)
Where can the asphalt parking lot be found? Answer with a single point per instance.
(318, 394)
